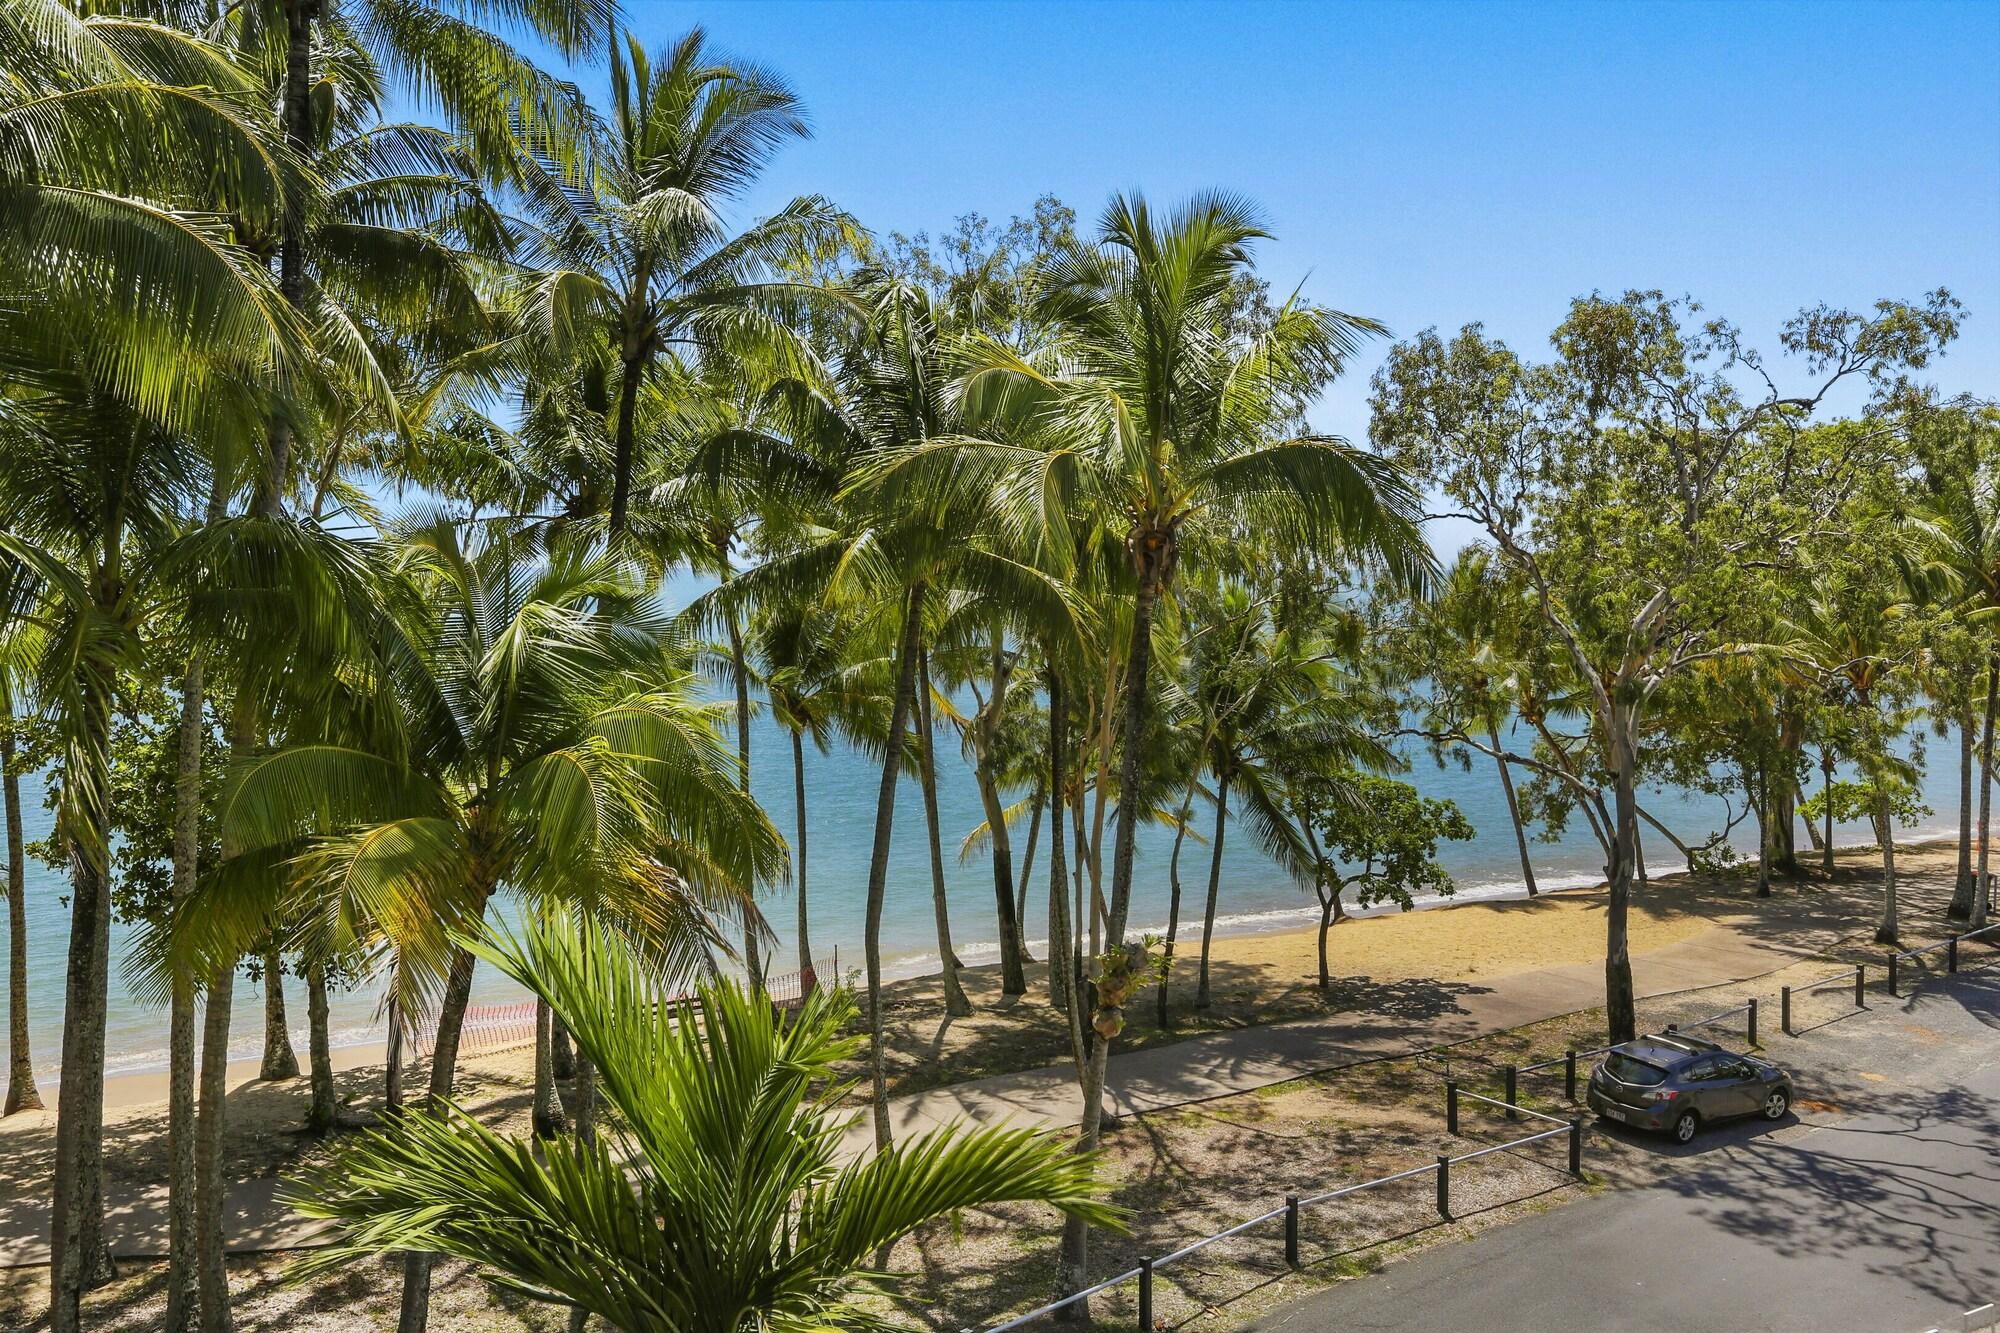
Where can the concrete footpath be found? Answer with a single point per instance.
(1212, 1065)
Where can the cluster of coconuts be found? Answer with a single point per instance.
(1119, 974)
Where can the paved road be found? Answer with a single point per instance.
(1884, 1218)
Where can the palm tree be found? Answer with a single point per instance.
(821, 682)
(719, 1201)
(874, 552)
(1262, 690)
(539, 748)
(1469, 619)
(1852, 633)
(1162, 421)
(22, 1094)
(638, 262)
(1962, 509)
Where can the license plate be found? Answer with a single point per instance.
(1615, 1114)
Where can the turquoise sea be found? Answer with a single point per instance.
(841, 787)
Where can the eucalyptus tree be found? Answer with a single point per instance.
(1153, 412)
(634, 259)
(1623, 483)
(723, 1200)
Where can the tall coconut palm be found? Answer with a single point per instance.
(22, 1095)
(1468, 618)
(877, 554)
(719, 1201)
(821, 683)
(537, 750)
(1854, 634)
(1962, 509)
(636, 259)
(1163, 421)
(1259, 691)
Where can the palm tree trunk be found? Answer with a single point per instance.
(955, 1003)
(1078, 908)
(1513, 805)
(807, 978)
(211, 1181)
(1028, 869)
(280, 1060)
(1826, 841)
(1982, 897)
(622, 438)
(1100, 797)
(323, 1116)
(1059, 922)
(562, 1054)
(878, 861)
(1013, 975)
(1201, 998)
(1152, 554)
(392, 1062)
(739, 668)
(22, 1094)
(416, 1309)
(1013, 948)
(183, 1217)
(78, 1256)
(546, 1118)
(1966, 889)
(1173, 903)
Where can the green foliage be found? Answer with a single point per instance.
(717, 1197)
(1379, 837)
(1866, 800)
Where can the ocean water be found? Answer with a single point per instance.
(841, 787)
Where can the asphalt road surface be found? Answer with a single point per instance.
(1879, 1211)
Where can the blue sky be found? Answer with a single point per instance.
(1433, 164)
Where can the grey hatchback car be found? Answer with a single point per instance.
(1675, 1084)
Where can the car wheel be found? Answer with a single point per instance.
(1776, 1104)
(1685, 1127)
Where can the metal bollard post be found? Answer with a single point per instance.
(1951, 955)
(1451, 1105)
(1444, 1187)
(1576, 1148)
(1892, 978)
(1146, 1296)
(1513, 1076)
(1753, 1022)
(1569, 1076)
(1785, 1010)
(1292, 1230)
(1860, 979)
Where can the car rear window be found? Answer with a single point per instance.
(1629, 1069)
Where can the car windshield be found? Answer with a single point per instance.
(1627, 1069)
